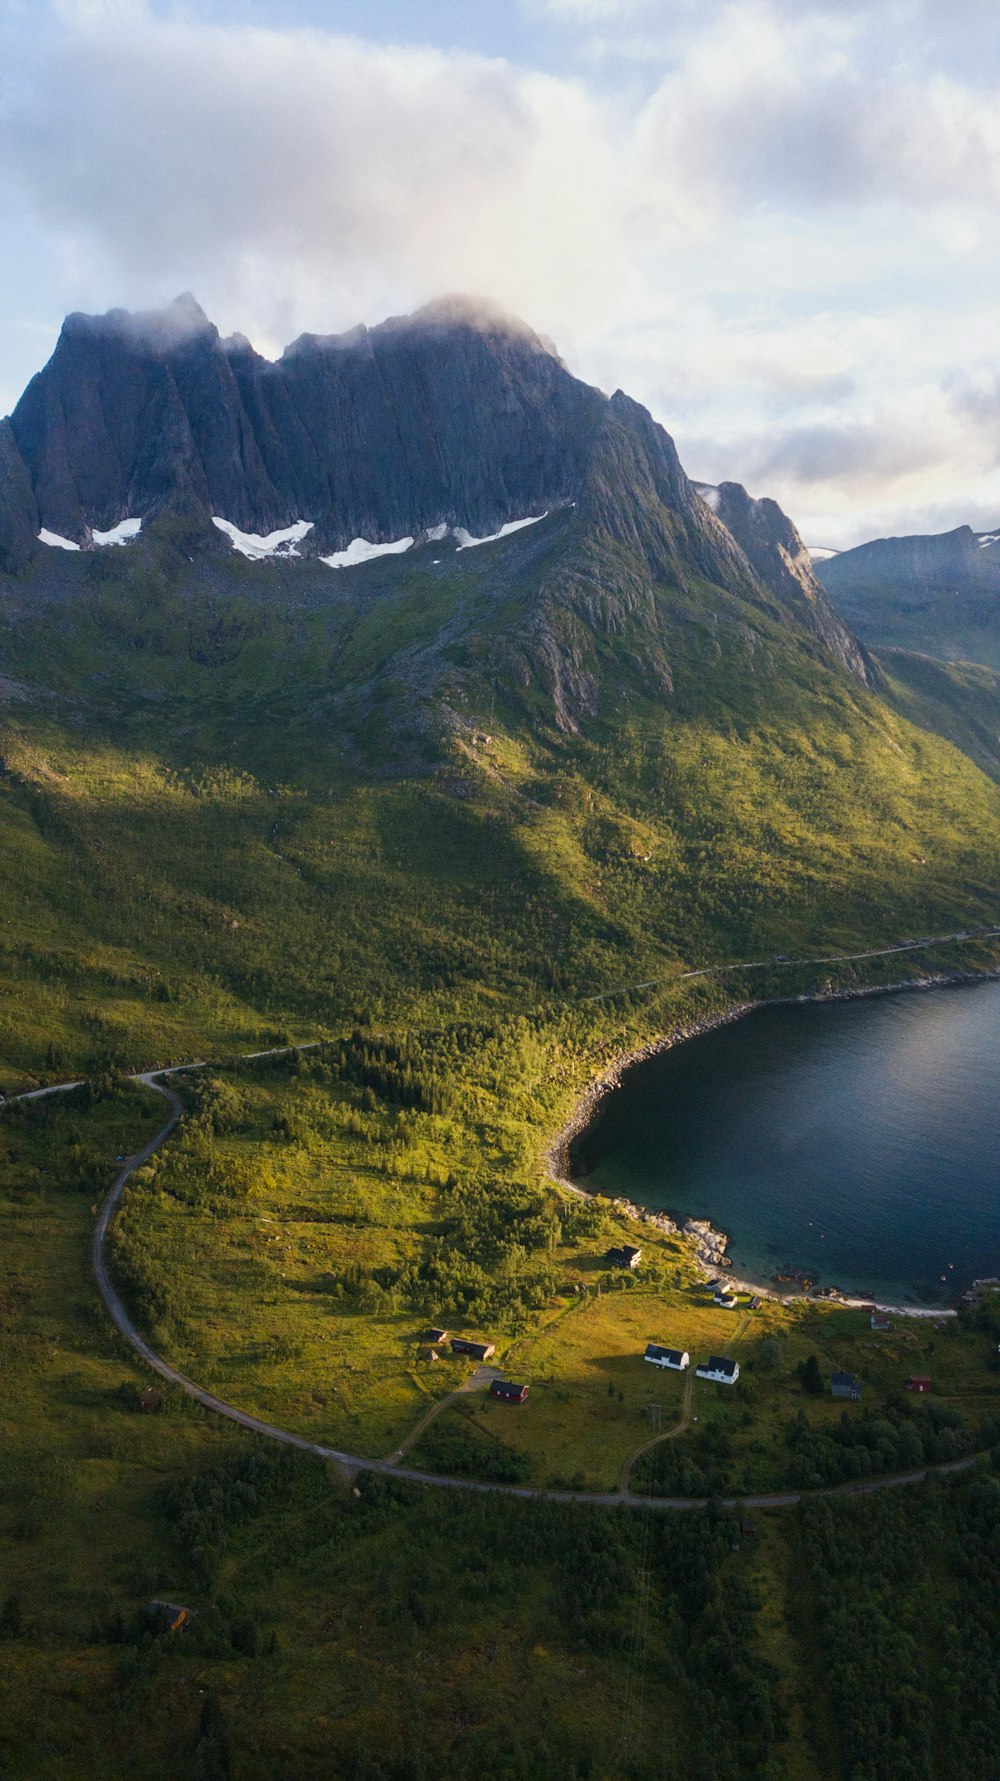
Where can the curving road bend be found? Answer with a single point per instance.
(352, 1463)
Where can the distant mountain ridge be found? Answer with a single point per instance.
(938, 593)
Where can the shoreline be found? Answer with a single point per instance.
(709, 1251)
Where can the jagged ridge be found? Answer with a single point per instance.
(457, 415)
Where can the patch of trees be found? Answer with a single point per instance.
(395, 1071)
(685, 1468)
(655, 1610)
(205, 1510)
(893, 1439)
(907, 1593)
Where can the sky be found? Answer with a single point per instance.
(774, 222)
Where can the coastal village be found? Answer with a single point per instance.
(634, 1379)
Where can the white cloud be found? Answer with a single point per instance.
(781, 237)
(292, 173)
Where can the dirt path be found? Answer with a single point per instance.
(478, 1380)
(668, 1435)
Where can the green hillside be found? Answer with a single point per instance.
(267, 799)
(468, 821)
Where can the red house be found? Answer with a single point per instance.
(508, 1392)
(918, 1383)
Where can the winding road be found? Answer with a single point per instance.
(349, 1464)
(962, 937)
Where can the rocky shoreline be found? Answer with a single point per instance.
(709, 1245)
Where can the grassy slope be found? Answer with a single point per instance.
(222, 821)
(199, 830)
(959, 700)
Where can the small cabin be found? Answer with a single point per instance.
(436, 1337)
(725, 1300)
(918, 1383)
(508, 1392)
(719, 1369)
(674, 1358)
(475, 1350)
(880, 1320)
(625, 1257)
(844, 1385)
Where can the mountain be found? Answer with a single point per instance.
(458, 417)
(938, 594)
(628, 731)
(458, 414)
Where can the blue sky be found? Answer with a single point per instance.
(773, 221)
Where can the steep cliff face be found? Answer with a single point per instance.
(774, 549)
(18, 508)
(452, 415)
(637, 493)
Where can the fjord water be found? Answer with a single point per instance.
(857, 1140)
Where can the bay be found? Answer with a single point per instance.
(856, 1140)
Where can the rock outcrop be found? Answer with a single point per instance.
(775, 550)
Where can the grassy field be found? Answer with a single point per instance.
(294, 1261)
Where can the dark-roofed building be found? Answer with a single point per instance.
(844, 1385)
(436, 1336)
(508, 1392)
(720, 1369)
(918, 1382)
(475, 1350)
(625, 1257)
(676, 1358)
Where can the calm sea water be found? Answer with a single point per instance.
(858, 1140)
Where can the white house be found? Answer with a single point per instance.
(725, 1300)
(723, 1371)
(675, 1358)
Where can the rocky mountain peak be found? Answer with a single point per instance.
(459, 415)
(772, 545)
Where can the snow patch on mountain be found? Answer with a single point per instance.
(360, 551)
(53, 538)
(467, 542)
(276, 544)
(122, 533)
